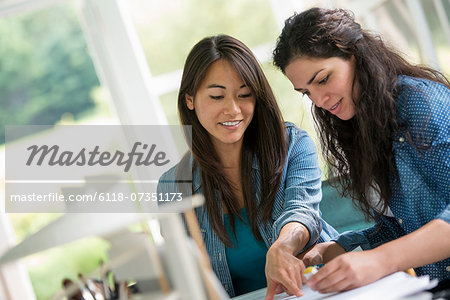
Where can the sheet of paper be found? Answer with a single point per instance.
(260, 294)
(390, 287)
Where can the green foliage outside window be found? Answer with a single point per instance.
(45, 70)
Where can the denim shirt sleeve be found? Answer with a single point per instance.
(349, 240)
(445, 215)
(384, 231)
(439, 168)
(437, 158)
(428, 117)
(302, 186)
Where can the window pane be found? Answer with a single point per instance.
(169, 29)
(46, 73)
(47, 77)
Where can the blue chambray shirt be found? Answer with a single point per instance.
(423, 192)
(297, 200)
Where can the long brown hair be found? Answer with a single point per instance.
(264, 137)
(359, 150)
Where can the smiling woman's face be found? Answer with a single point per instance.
(224, 104)
(328, 82)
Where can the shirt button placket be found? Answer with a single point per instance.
(227, 288)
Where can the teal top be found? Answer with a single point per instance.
(247, 257)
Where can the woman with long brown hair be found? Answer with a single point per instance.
(384, 126)
(260, 176)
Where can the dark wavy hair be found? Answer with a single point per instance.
(263, 139)
(358, 151)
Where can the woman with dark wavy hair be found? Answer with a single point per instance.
(384, 126)
(260, 176)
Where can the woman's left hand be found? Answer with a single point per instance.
(349, 271)
(284, 272)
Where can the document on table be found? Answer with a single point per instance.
(394, 286)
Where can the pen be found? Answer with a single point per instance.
(309, 271)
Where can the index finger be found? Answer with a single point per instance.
(271, 287)
(292, 287)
